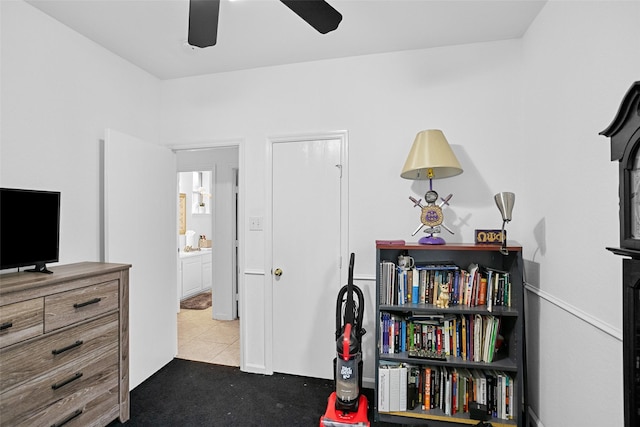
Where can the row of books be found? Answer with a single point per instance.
(472, 337)
(422, 284)
(406, 387)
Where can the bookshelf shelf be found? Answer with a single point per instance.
(417, 309)
(409, 318)
(501, 363)
(439, 416)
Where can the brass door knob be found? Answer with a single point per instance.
(277, 272)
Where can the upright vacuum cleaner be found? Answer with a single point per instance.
(347, 405)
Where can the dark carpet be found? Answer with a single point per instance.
(187, 393)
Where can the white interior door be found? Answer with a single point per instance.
(307, 248)
(140, 228)
(224, 247)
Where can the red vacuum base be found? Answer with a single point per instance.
(335, 418)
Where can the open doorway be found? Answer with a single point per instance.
(208, 255)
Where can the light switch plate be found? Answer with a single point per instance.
(255, 223)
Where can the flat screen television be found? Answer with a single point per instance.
(29, 228)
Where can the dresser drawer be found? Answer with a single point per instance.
(20, 321)
(62, 391)
(73, 306)
(95, 413)
(24, 361)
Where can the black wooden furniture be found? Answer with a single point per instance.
(624, 132)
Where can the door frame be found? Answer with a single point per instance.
(343, 136)
(238, 143)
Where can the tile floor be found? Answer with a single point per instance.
(204, 339)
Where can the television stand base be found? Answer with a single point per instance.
(39, 268)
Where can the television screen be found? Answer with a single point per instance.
(29, 228)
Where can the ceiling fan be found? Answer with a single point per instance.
(203, 18)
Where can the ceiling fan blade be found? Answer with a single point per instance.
(203, 22)
(317, 13)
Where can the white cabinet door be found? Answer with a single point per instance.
(207, 272)
(191, 275)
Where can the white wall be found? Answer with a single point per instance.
(579, 60)
(521, 115)
(471, 92)
(59, 92)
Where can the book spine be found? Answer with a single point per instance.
(491, 394)
(426, 395)
(413, 387)
(430, 289)
(482, 292)
(415, 286)
(445, 337)
(469, 291)
(383, 389)
(381, 283)
(394, 389)
(404, 384)
(385, 333)
(403, 336)
(455, 291)
(454, 392)
(458, 338)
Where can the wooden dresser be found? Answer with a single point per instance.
(64, 346)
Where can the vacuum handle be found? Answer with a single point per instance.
(352, 260)
(348, 318)
(352, 313)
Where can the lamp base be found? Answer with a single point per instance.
(431, 240)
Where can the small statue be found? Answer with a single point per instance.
(431, 218)
(443, 296)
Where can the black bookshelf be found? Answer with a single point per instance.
(510, 360)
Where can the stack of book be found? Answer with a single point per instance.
(472, 337)
(422, 284)
(445, 390)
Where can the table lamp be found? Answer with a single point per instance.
(505, 201)
(431, 158)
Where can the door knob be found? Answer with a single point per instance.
(277, 272)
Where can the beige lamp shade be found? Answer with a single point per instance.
(430, 152)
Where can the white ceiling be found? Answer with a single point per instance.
(256, 33)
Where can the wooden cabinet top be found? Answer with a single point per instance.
(22, 281)
(447, 247)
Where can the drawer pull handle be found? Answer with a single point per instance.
(86, 303)
(69, 418)
(67, 348)
(77, 375)
(6, 325)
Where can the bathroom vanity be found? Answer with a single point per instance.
(195, 272)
